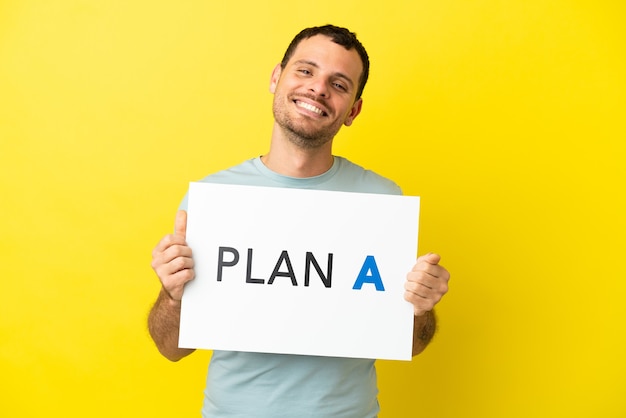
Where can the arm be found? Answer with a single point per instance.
(173, 264)
(426, 284)
(163, 324)
(424, 328)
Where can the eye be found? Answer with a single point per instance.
(340, 86)
(304, 71)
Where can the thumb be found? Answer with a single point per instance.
(431, 258)
(180, 225)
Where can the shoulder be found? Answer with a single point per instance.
(363, 180)
(245, 173)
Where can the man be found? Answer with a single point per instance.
(317, 89)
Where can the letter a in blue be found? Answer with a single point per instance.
(369, 274)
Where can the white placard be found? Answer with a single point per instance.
(296, 271)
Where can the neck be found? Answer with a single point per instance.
(288, 159)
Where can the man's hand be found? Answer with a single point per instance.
(426, 283)
(171, 259)
(172, 262)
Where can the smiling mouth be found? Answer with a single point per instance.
(310, 107)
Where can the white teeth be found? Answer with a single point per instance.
(310, 107)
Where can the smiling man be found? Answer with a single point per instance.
(317, 89)
(315, 93)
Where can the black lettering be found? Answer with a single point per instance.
(289, 273)
(249, 279)
(221, 263)
(326, 279)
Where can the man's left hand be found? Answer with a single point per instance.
(426, 283)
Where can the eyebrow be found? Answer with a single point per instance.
(337, 74)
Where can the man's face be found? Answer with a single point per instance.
(314, 95)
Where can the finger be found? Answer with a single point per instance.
(424, 270)
(176, 265)
(417, 289)
(168, 270)
(424, 280)
(438, 287)
(171, 253)
(423, 296)
(183, 276)
(167, 242)
(430, 258)
(180, 225)
(428, 275)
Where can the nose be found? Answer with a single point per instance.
(320, 87)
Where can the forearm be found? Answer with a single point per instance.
(424, 327)
(164, 324)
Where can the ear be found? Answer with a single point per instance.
(354, 112)
(275, 77)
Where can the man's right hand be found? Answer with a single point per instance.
(172, 261)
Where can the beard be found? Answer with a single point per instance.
(296, 128)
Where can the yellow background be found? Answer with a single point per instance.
(506, 117)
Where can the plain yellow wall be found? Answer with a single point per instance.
(506, 117)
